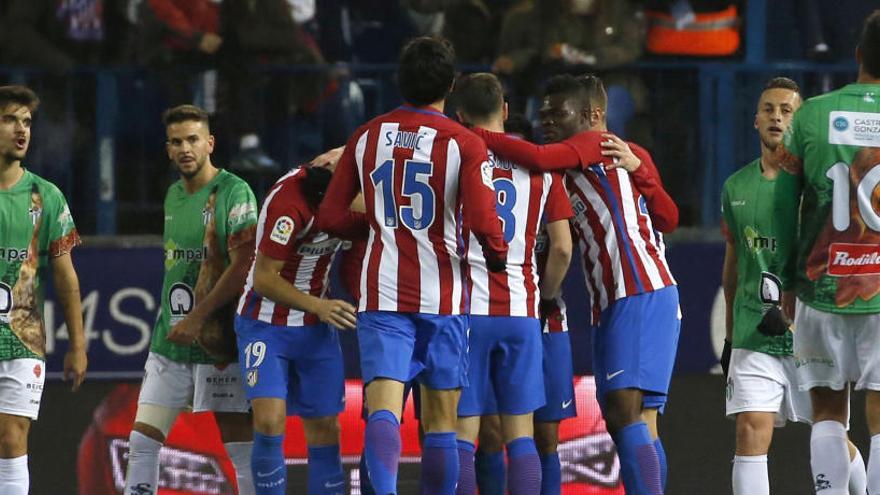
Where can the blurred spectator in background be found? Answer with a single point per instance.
(540, 38)
(828, 27)
(706, 28)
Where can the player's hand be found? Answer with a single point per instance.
(338, 313)
(547, 309)
(788, 302)
(210, 43)
(725, 357)
(774, 322)
(328, 159)
(186, 331)
(623, 156)
(75, 364)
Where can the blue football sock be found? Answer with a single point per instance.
(364, 476)
(382, 450)
(325, 471)
(551, 474)
(661, 456)
(639, 466)
(524, 473)
(439, 464)
(467, 477)
(267, 465)
(491, 472)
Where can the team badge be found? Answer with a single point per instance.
(252, 378)
(38, 370)
(282, 230)
(5, 302)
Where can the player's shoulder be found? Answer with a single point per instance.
(230, 181)
(638, 150)
(743, 175)
(287, 189)
(45, 187)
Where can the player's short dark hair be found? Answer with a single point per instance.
(869, 44)
(315, 184)
(568, 86)
(478, 96)
(782, 83)
(19, 95)
(518, 124)
(596, 94)
(185, 113)
(426, 70)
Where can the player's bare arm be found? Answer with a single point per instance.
(269, 283)
(67, 289)
(186, 331)
(728, 284)
(558, 258)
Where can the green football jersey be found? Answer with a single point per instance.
(834, 143)
(746, 198)
(200, 230)
(35, 224)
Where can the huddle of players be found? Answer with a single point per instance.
(802, 278)
(453, 299)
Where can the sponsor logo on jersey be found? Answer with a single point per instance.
(5, 302)
(854, 128)
(38, 370)
(771, 288)
(242, 213)
(486, 174)
(181, 300)
(321, 247)
(282, 230)
(756, 242)
(13, 254)
(846, 259)
(175, 254)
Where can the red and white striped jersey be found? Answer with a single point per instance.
(286, 232)
(523, 199)
(423, 177)
(621, 252)
(557, 321)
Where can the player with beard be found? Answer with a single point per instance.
(209, 238)
(36, 231)
(633, 296)
(829, 259)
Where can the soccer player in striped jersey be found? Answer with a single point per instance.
(504, 343)
(633, 295)
(290, 354)
(423, 176)
(210, 223)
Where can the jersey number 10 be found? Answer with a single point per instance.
(839, 175)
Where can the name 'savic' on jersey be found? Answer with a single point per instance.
(622, 250)
(35, 225)
(746, 198)
(833, 163)
(423, 176)
(523, 199)
(200, 230)
(286, 232)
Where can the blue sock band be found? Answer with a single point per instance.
(382, 451)
(661, 456)
(551, 474)
(267, 465)
(491, 472)
(639, 465)
(325, 471)
(439, 464)
(524, 475)
(467, 476)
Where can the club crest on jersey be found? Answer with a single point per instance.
(282, 230)
(5, 302)
(35, 212)
(252, 378)
(207, 215)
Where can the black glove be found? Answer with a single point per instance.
(725, 357)
(547, 309)
(774, 323)
(496, 265)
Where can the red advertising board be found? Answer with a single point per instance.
(194, 461)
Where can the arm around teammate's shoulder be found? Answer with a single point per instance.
(334, 214)
(545, 158)
(477, 197)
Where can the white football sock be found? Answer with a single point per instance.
(143, 464)
(14, 479)
(750, 475)
(829, 458)
(874, 465)
(240, 455)
(858, 478)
